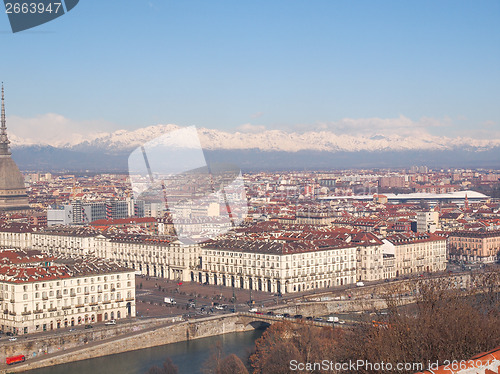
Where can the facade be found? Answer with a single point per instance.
(39, 292)
(81, 212)
(416, 253)
(270, 256)
(277, 267)
(13, 197)
(370, 259)
(482, 246)
(427, 221)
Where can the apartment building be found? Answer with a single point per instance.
(39, 292)
(416, 252)
(482, 246)
(277, 267)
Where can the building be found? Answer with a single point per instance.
(83, 212)
(427, 221)
(13, 197)
(268, 256)
(415, 253)
(39, 292)
(277, 267)
(482, 246)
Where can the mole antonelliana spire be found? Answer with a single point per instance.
(4, 140)
(13, 197)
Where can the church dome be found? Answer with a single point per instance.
(10, 176)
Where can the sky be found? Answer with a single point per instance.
(350, 67)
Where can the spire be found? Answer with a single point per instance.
(4, 140)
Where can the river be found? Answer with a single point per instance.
(188, 356)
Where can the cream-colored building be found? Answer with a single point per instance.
(159, 256)
(482, 246)
(416, 252)
(277, 267)
(41, 293)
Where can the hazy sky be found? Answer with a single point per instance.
(253, 65)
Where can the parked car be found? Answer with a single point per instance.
(279, 315)
(89, 326)
(12, 339)
(309, 318)
(360, 284)
(270, 313)
(318, 319)
(110, 322)
(253, 310)
(298, 316)
(286, 315)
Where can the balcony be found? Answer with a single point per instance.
(79, 306)
(37, 311)
(107, 302)
(130, 299)
(66, 307)
(12, 313)
(52, 309)
(45, 298)
(27, 313)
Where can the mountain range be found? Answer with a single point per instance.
(267, 150)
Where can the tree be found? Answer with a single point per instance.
(212, 363)
(231, 365)
(167, 368)
(285, 341)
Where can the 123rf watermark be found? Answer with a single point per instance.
(26, 14)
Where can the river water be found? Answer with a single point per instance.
(188, 356)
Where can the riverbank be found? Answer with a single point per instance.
(154, 336)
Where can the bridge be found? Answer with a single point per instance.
(258, 321)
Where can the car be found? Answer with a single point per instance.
(71, 330)
(360, 284)
(219, 307)
(259, 313)
(286, 315)
(318, 319)
(89, 326)
(309, 318)
(110, 322)
(253, 310)
(270, 313)
(279, 315)
(298, 316)
(232, 310)
(9, 333)
(12, 339)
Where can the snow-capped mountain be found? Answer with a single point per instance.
(275, 140)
